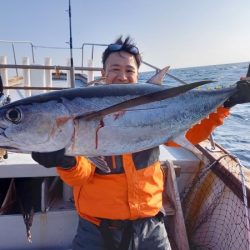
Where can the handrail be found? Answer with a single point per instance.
(14, 53)
(21, 66)
(35, 88)
(82, 59)
(92, 52)
(82, 68)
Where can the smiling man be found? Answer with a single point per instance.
(121, 209)
(121, 66)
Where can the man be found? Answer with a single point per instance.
(121, 209)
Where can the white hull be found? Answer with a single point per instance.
(51, 230)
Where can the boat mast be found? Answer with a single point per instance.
(72, 73)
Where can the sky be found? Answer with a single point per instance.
(178, 33)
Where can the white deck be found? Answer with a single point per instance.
(22, 165)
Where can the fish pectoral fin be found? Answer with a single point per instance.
(184, 142)
(100, 163)
(144, 99)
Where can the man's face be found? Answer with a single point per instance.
(120, 67)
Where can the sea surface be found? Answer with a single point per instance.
(234, 134)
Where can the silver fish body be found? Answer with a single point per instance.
(57, 120)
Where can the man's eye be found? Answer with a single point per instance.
(115, 69)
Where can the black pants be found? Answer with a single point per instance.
(142, 234)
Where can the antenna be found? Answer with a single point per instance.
(72, 73)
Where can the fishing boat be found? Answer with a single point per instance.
(206, 202)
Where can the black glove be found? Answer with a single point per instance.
(241, 96)
(53, 159)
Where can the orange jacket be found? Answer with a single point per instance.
(134, 187)
(131, 194)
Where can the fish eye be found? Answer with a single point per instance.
(14, 115)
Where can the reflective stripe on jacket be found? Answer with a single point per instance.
(134, 187)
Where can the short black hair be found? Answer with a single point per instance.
(126, 46)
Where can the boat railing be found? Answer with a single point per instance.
(84, 46)
(46, 74)
(13, 43)
(22, 66)
(92, 46)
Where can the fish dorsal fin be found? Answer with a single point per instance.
(158, 77)
(144, 99)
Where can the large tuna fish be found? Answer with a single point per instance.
(105, 120)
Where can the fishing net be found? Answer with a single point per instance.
(215, 206)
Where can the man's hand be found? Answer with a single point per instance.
(53, 159)
(241, 96)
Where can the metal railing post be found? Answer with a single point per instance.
(82, 54)
(32, 51)
(14, 54)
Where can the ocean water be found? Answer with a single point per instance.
(234, 134)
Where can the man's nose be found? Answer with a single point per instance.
(122, 76)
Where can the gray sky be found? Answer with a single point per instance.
(178, 33)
